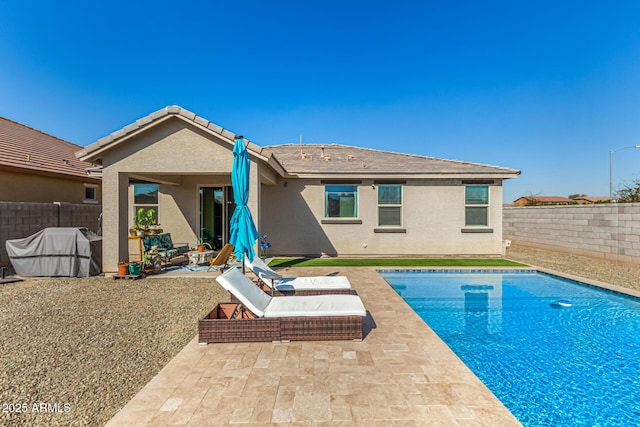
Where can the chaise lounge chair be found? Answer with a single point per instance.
(222, 259)
(309, 285)
(260, 317)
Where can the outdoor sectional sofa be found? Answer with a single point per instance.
(163, 246)
(260, 317)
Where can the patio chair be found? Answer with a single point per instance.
(222, 259)
(260, 317)
(302, 285)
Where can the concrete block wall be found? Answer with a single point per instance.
(610, 231)
(18, 220)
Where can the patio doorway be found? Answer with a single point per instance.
(216, 209)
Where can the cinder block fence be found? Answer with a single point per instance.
(19, 220)
(610, 231)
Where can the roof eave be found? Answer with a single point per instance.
(92, 152)
(396, 175)
(30, 171)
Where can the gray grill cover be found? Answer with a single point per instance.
(61, 251)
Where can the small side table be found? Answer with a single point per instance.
(199, 257)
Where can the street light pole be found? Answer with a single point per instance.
(611, 168)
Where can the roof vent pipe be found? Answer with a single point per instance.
(322, 151)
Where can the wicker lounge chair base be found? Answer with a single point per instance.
(219, 326)
(325, 328)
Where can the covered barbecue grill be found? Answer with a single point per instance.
(57, 251)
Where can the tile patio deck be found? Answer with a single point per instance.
(400, 374)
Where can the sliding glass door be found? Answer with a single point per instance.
(216, 208)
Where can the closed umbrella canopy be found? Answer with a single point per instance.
(243, 230)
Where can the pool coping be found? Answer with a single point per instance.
(532, 268)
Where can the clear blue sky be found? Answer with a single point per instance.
(547, 87)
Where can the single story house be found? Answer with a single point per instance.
(543, 201)
(38, 167)
(312, 200)
(591, 200)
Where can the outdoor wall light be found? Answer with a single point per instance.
(373, 186)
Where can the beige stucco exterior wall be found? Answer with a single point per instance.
(20, 187)
(433, 217)
(181, 158)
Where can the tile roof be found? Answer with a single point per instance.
(345, 159)
(593, 199)
(547, 199)
(94, 151)
(27, 150)
(315, 159)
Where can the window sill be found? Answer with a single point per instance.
(390, 230)
(341, 221)
(90, 202)
(477, 230)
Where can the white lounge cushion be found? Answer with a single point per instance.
(311, 282)
(315, 305)
(262, 270)
(263, 305)
(247, 293)
(258, 266)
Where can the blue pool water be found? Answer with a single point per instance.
(549, 365)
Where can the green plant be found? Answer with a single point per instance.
(144, 218)
(201, 242)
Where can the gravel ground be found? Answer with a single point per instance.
(84, 347)
(589, 268)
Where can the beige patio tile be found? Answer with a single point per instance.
(311, 407)
(341, 413)
(400, 374)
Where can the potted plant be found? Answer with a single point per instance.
(147, 265)
(123, 268)
(201, 244)
(143, 220)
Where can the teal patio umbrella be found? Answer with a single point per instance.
(243, 233)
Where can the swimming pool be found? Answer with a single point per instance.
(549, 365)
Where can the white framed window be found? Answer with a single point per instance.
(341, 201)
(90, 193)
(476, 205)
(389, 205)
(145, 196)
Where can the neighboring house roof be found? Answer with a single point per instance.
(31, 151)
(546, 199)
(309, 160)
(323, 159)
(592, 199)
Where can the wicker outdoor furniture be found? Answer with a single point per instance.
(260, 317)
